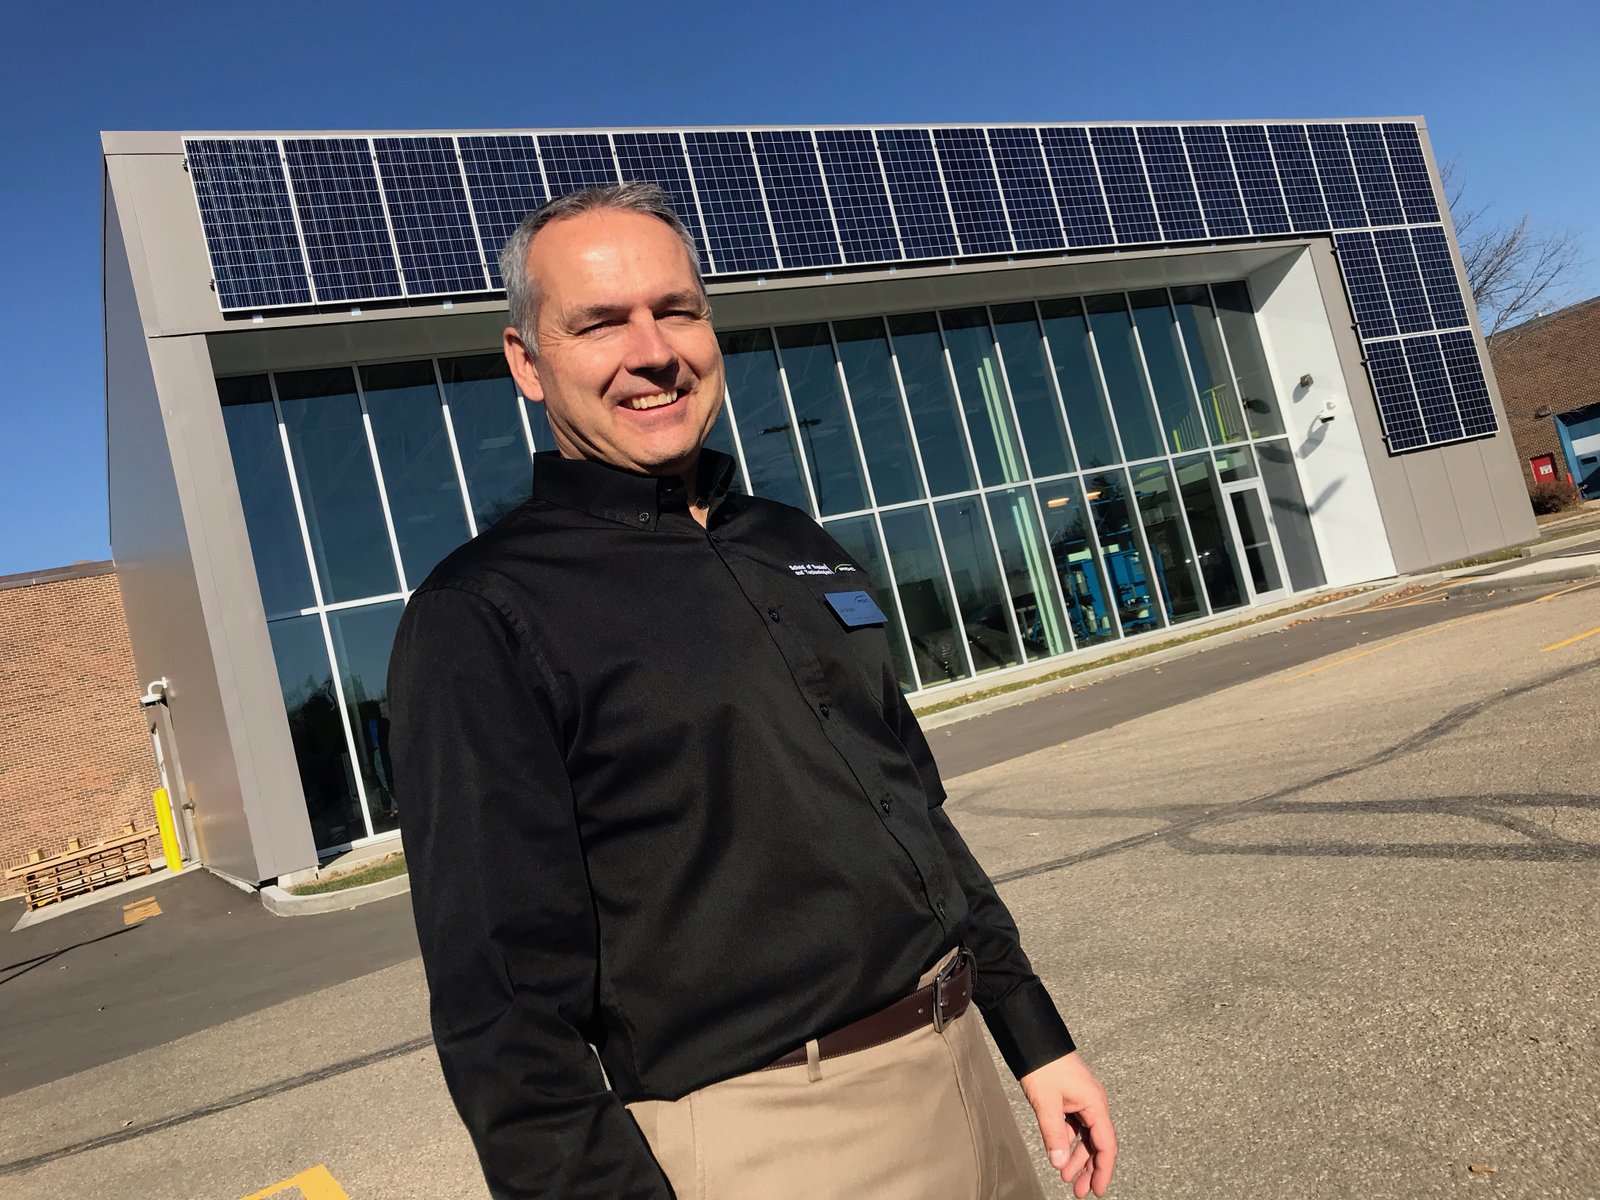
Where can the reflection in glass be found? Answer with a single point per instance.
(538, 424)
(1083, 581)
(1016, 329)
(1028, 573)
(1251, 519)
(419, 473)
(1238, 317)
(721, 439)
(362, 638)
(764, 425)
(978, 593)
(1163, 356)
(934, 415)
(1107, 496)
(983, 395)
(494, 450)
(333, 466)
(1169, 548)
(859, 537)
(924, 597)
(1119, 359)
(880, 415)
(1213, 543)
(316, 730)
(818, 400)
(1081, 393)
(1235, 464)
(1202, 339)
(1290, 516)
(269, 517)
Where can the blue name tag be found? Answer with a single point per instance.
(855, 609)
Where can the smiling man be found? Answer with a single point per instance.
(662, 797)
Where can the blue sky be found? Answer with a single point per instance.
(1509, 91)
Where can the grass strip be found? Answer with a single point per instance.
(388, 868)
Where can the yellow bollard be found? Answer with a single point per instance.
(169, 835)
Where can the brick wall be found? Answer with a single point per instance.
(1550, 362)
(75, 757)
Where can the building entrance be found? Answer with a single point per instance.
(1255, 540)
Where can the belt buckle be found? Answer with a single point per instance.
(940, 1003)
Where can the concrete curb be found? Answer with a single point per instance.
(1533, 575)
(1556, 545)
(285, 904)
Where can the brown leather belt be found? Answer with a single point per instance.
(941, 1002)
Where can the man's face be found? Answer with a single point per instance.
(629, 369)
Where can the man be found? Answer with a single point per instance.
(662, 796)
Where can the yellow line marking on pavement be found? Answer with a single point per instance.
(1570, 640)
(315, 1184)
(140, 910)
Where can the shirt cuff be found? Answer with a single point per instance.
(1028, 1029)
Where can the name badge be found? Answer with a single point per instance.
(855, 609)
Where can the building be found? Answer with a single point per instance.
(1549, 373)
(1051, 385)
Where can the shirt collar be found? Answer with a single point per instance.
(627, 497)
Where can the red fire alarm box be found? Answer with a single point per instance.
(1544, 468)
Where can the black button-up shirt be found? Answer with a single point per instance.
(658, 798)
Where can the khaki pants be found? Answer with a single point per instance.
(923, 1117)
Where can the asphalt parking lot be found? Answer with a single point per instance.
(1321, 907)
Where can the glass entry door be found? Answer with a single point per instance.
(1256, 540)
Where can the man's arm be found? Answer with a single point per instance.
(502, 903)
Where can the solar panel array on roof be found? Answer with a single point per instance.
(327, 221)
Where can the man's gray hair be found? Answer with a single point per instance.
(522, 295)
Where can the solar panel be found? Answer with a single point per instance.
(1466, 380)
(255, 252)
(1331, 154)
(1410, 172)
(1133, 215)
(342, 221)
(658, 158)
(1171, 183)
(920, 207)
(1438, 403)
(1363, 280)
(1258, 179)
(1397, 401)
(1019, 161)
(969, 179)
(1072, 170)
(1371, 161)
(1400, 272)
(1439, 277)
(1298, 176)
(860, 198)
(730, 200)
(796, 198)
(575, 161)
(428, 212)
(505, 183)
(1214, 181)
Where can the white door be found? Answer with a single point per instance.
(1250, 520)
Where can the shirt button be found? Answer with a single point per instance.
(885, 806)
(940, 907)
(773, 613)
(644, 518)
(823, 709)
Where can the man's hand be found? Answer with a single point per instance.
(1075, 1121)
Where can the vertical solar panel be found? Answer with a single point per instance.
(969, 179)
(1298, 177)
(919, 200)
(658, 158)
(1258, 180)
(1406, 295)
(860, 199)
(1332, 157)
(1371, 160)
(1434, 397)
(796, 198)
(429, 215)
(730, 200)
(1215, 182)
(1172, 185)
(1466, 379)
(1083, 206)
(1363, 279)
(1411, 173)
(1397, 403)
(505, 185)
(1133, 216)
(1035, 224)
(256, 258)
(341, 218)
(1439, 277)
(574, 161)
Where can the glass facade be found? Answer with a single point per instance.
(1018, 480)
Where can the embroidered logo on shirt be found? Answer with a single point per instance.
(811, 568)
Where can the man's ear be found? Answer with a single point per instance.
(524, 367)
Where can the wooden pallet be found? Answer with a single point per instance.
(80, 870)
